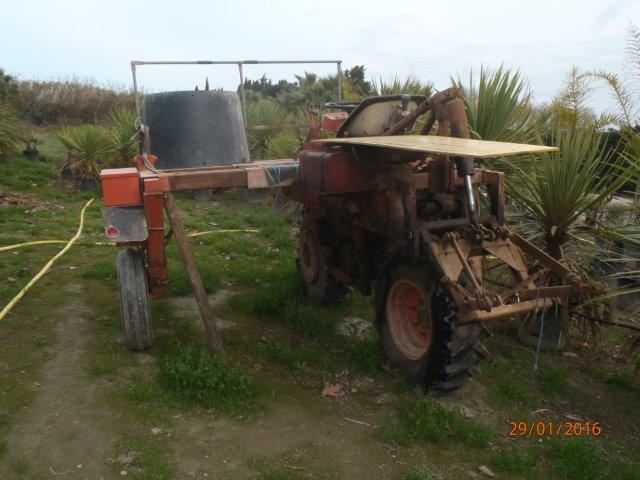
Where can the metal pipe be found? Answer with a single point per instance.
(339, 80)
(471, 199)
(135, 91)
(243, 100)
(134, 63)
(225, 62)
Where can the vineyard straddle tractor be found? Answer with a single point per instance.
(414, 220)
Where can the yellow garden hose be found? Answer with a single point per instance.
(195, 234)
(46, 268)
(26, 244)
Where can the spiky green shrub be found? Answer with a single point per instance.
(282, 145)
(87, 148)
(122, 143)
(558, 190)
(396, 86)
(498, 105)
(10, 133)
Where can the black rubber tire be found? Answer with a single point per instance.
(455, 349)
(324, 287)
(134, 299)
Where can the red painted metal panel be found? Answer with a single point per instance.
(120, 186)
(335, 172)
(332, 121)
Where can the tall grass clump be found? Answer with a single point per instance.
(10, 133)
(197, 377)
(426, 419)
(70, 100)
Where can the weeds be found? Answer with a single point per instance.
(427, 420)
(101, 368)
(576, 457)
(10, 134)
(197, 377)
(68, 99)
(104, 270)
(552, 379)
(421, 473)
(516, 461)
(149, 461)
(19, 466)
(280, 475)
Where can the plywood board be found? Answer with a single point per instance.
(462, 147)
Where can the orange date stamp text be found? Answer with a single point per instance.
(550, 428)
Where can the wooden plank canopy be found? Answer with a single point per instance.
(462, 147)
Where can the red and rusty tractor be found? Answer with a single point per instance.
(412, 219)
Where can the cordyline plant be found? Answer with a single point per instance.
(559, 192)
(87, 149)
(498, 105)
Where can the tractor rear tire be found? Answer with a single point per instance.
(457, 349)
(134, 299)
(313, 262)
(427, 346)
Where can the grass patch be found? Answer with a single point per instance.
(628, 472)
(142, 391)
(427, 420)
(104, 270)
(97, 368)
(622, 381)
(421, 473)
(3, 447)
(280, 475)
(150, 460)
(576, 458)
(179, 283)
(284, 298)
(516, 461)
(19, 466)
(552, 379)
(197, 377)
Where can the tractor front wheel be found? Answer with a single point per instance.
(134, 299)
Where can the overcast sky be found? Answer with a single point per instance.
(429, 39)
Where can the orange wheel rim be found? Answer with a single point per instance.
(409, 319)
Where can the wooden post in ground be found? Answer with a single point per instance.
(206, 313)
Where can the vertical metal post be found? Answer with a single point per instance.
(135, 91)
(339, 80)
(242, 98)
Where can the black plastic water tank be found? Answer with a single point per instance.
(196, 128)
